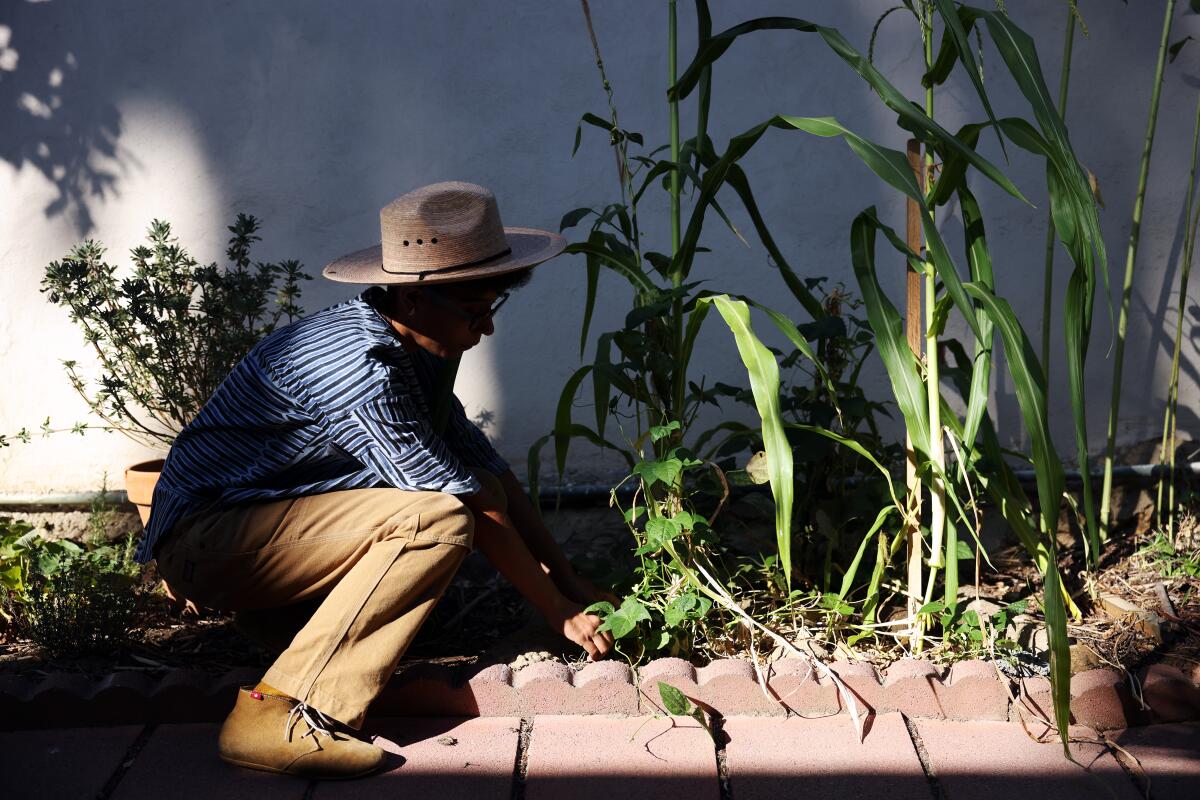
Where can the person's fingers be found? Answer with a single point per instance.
(603, 645)
(590, 648)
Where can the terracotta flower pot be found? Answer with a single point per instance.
(139, 485)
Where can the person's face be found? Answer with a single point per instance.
(446, 320)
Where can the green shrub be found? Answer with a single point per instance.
(168, 333)
(69, 600)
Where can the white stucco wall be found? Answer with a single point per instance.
(312, 115)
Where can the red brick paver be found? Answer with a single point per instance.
(777, 759)
(447, 759)
(602, 758)
(180, 762)
(1169, 755)
(70, 763)
(986, 760)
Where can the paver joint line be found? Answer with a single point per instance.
(127, 760)
(521, 761)
(935, 787)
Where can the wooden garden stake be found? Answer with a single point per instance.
(914, 332)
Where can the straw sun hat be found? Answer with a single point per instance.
(441, 233)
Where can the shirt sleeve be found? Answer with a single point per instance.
(470, 444)
(371, 414)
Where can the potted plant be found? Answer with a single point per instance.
(166, 335)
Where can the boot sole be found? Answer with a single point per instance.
(277, 771)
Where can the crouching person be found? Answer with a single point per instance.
(313, 495)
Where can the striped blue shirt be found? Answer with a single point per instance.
(330, 402)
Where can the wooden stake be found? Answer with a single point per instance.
(914, 333)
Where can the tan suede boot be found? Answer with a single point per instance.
(279, 734)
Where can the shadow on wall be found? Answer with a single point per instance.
(55, 119)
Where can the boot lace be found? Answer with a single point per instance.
(316, 721)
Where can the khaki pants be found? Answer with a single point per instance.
(379, 558)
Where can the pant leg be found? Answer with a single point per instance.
(383, 556)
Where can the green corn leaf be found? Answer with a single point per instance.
(593, 279)
(852, 570)
(954, 27)
(1071, 191)
(1060, 648)
(695, 319)
(847, 442)
(736, 179)
(911, 116)
(789, 329)
(980, 260)
(1030, 386)
(630, 271)
(562, 418)
(573, 218)
(950, 579)
(893, 167)
(907, 385)
(601, 380)
(764, 383)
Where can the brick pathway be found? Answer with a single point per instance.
(614, 758)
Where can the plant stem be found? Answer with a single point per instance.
(1169, 420)
(937, 494)
(1048, 282)
(1127, 286)
(679, 376)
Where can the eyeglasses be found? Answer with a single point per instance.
(473, 320)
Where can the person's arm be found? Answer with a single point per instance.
(528, 522)
(497, 538)
(473, 448)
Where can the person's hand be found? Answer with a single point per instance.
(568, 618)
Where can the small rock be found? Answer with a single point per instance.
(448, 741)
(1029, 634)
(1083, 658)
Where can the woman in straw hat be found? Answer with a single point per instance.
(315, 495)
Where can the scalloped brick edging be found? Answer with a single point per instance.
(968, 690)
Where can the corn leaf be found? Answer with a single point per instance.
(764, 383)
(911, 116)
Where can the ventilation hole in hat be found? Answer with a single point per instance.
(406, 242)
(433, 241)
(420, 241)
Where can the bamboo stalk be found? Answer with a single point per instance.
(1127, 286)
(1170, 417)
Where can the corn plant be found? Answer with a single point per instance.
(982, 462)
(646, 362)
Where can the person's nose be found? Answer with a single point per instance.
(483, 326)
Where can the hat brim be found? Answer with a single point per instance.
(528, 246)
